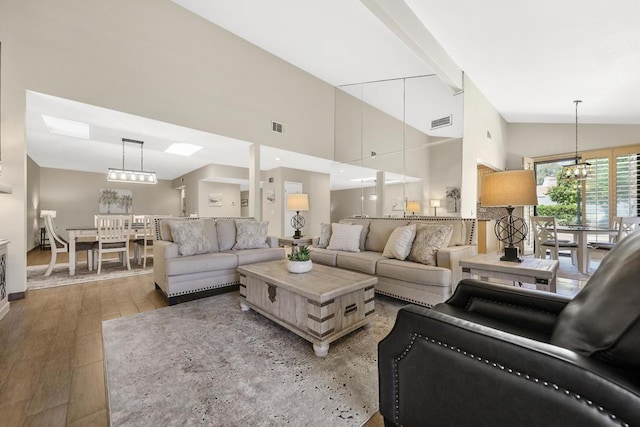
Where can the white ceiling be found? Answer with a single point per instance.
(531, 60)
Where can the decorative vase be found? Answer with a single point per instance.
(299, 266)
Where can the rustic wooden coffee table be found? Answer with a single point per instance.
(320, 306)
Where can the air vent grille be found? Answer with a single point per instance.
(279, 127)
(438, 123)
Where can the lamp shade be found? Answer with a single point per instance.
(413, 206)
(44, 212)
(298, 202)
(509, 188)
(434, 203)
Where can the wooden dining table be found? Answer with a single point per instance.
(88, 231)
(581, 236)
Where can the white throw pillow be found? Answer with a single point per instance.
(190, 236)
(399, 244)
(429, 239)
(251, 234)
(345, 237)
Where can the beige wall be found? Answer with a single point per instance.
(534, 139)
(74, 196)
(150, 58)
(33, 204)
(479, 117)
(230, 199)
(316, 185)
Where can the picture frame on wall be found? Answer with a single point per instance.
(244, 203)
(453, 199)
(114, 201)
(271, 196)
(215, 199)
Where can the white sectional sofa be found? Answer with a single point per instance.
(407, 280)
(182, 278)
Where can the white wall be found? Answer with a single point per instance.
(479, 117)
(153, 59)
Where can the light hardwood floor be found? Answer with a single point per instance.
(51, 353)
(51, 356)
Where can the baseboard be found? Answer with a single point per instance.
(4, 310)
(197, 295)
(17, 295)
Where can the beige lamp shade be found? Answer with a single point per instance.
(509, 188)
(44, 212)
(298, 202)
(434, 203)
(413, 206)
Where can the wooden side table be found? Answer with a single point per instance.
(290, 241)
(531, 270)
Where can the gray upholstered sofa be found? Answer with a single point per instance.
(181, 278)
(410, 281)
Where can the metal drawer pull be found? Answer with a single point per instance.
(350, 309)
(271, 291)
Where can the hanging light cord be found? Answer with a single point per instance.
(577, 101)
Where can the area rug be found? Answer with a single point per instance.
(206, 362)
(111, 269)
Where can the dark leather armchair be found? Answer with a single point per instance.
(495, 355)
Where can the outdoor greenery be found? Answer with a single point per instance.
(565, 195)
(302, 254)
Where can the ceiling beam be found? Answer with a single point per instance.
(400, 19)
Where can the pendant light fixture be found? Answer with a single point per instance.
(578, 171)
(129, 175)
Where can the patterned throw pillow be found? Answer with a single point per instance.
(325, 236)
(190, 236)
(429, 238)
(251, 234)
(399, 244)
(345, 237)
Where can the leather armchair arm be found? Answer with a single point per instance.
(436, 369)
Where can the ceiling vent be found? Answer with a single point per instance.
(279, 127)
(438, 123)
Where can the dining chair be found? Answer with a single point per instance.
(143, 241)
(626, 226)
(545, 234)
(113, 237)
(60, 245)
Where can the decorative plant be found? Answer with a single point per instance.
(301, 254)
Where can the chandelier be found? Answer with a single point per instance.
(578, 171)
(129, 175)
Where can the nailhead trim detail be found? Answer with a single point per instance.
(552, 386)
(415, 301)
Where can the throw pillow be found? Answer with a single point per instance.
(345, 237)
(325, 236)
(399, 244)
(429, 238)
(251, 234)
(226, 230)
(190, 236)
(365, 228)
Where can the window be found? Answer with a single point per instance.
(627, 182)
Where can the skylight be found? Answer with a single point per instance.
(66, 127)
(182, 149)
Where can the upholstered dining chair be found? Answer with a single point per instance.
(545, 234)
(59, 245)
(113, 237)
(626, 226)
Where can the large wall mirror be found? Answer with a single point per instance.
(399, 145)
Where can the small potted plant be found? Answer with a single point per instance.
(299, 261)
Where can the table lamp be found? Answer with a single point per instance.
(297, 203)
(435, 204)
(413, 207)
(510, 189)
